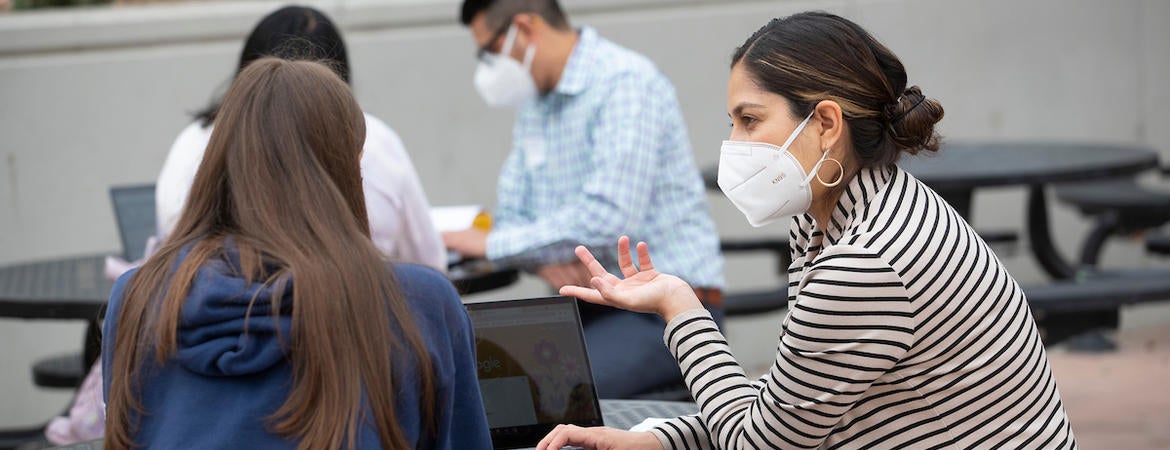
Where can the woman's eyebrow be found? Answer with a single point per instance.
(742, 106)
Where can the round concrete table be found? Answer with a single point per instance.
(959, 168)
(76, 287)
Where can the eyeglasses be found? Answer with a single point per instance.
(486, 48)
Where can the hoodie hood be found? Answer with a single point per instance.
(218, 335)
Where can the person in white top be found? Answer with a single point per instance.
(400, 222)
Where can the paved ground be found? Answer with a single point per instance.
(1116, 401)
(1120, 400)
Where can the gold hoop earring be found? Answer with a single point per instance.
(840, 175)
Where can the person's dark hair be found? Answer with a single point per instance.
(289, 133)
(497, 12)
(291, 32)
(815, 56)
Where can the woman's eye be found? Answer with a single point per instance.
(747, 120)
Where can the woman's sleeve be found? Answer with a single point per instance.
(177, 175)
(110, 329)
(470, 429)
(852, 322)
(397, 206)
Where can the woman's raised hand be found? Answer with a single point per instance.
(642, 290)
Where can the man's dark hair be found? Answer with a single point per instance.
(498, 12)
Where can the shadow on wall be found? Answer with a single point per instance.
(7, 5)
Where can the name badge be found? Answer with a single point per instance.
(535, 152)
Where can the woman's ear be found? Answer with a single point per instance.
(830, 123)
(526, 26)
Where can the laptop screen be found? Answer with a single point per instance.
(134, 211)
(533, 368)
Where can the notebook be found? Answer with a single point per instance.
(533, 369)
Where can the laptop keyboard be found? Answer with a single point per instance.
(623, 414)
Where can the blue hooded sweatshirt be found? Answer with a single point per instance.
(220, 387)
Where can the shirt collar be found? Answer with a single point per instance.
(576, 75)
(853, 202)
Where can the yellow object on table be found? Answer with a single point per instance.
(482, 221)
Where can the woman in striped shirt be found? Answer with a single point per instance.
(904, 330)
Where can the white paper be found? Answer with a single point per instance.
(454, 218)
(649, 424)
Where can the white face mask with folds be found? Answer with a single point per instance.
(502, 81)
(765, 182)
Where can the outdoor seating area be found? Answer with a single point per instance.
(1079, 293)
(578, 224)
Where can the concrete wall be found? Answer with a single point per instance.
(90, 99)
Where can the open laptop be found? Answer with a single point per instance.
(533, 369)
(134, 211)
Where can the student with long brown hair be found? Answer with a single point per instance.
(269, 319)
(396, 204)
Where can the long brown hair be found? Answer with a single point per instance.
(281, 179)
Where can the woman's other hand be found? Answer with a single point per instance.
(643, 289)
(568, 274)
(598, 438)
(470, 243)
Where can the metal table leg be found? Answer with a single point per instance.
(1084, 329)
(1107, 224)
(1041, 236)
(91, 349)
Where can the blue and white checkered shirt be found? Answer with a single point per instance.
(605, 154)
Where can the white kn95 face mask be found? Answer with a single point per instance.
(502, 81)
(765, 182)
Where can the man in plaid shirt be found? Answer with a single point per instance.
(600, 150)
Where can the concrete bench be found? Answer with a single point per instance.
(1063, 309)
(1159, 244)
(1118, 206)
(762, 301)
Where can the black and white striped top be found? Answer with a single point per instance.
(904, 331)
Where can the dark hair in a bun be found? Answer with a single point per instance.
(815, 56)
(912, 121)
